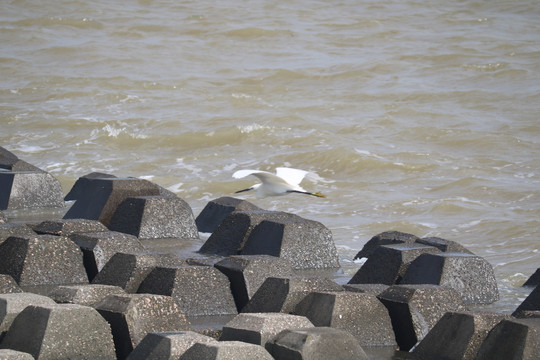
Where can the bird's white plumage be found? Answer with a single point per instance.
(284, 181)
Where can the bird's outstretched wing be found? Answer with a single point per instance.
(290, 175)
(243, 173)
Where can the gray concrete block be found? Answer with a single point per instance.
(6, 354)
(456, 336)
(99, 247)
(530, 304)
(29, 189)
(87, 295)
(248, 272)
(217, 210)
(534, 279)
(259, 328)
(283, 294)
(232, 233)
(198, 290)
(42, 260)
(443, 244)
(360, 314)
(306, 244)
(102, 196)
(387, 264)
(132, 316)
(415, 309)
(10, 161)
(374, 289)
(67, 227)
(167, 345)
(65, 331)
(11, 305)
(319, 343)
(15, 229)
(8, 285)
(80, 186)
(3, 218)
(470, 275)
(512, 339)
(226, 350)
(155, 217)
(385, 238)
(129, 270)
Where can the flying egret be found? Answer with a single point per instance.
(283, 182)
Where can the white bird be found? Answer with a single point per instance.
(283, 182)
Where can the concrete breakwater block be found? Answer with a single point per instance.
(198, 290)
(167, 345)
(512, 339)
(306, 244)
(29, 189)
(80, 187)
(6, 354)
(530, 306)
(101, 197)
(385, 238)
(3, 218)
(259, 328)
(415, 309)
(65, 331)
(155, 217)
(444, 245)
(15, 229)
(223, 350)
(456, 336)
(217, 210)
(470, 275)
(8, 285)
(10, 161)
(318, 343)
(129, 270)
(99, 247)
(283, 294)
(67, 227)
(42, 260)
(387, 264)
(362, 315)
(11, 305)
(87, 295)
(375, 289)
(232, 233)
(132, 316)
(248, 272)
(534, 279)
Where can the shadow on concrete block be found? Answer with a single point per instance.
(155, 217)
(456, 336)
(87, 295)
(387, 264)
(385, 238)
(167, 345)
(415, 309)
(512, 339)
(67, 227)
(530, 307)
(102, 196)
(217, 210)
(132, 316)
(129, 270)
(198, 290)
(42, 260)
(470, 275)
(232, 233)
(248, 272)
(236, 350)
(29, 189)
(15, 229)
(362, 315)
(306, 244)
(65, 331)
(259, 328)
(99, 247)
(283, 294)
(12, 305)
(316, 343)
